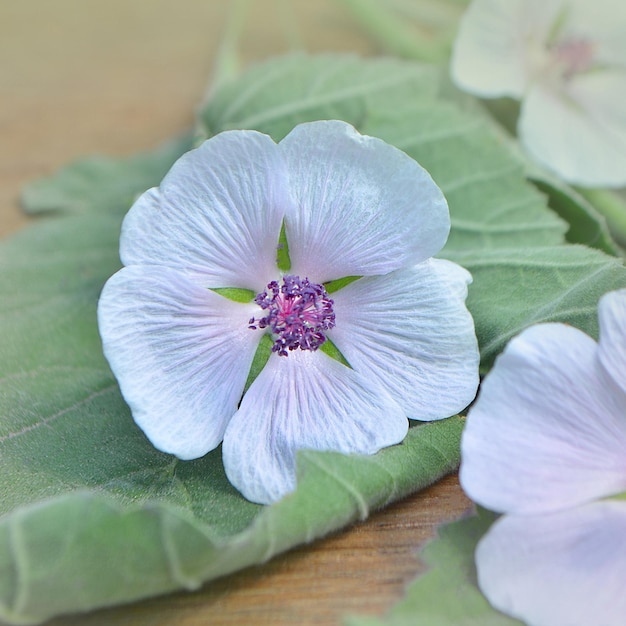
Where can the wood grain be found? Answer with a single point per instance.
(83, 76)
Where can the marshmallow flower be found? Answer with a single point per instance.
(545, 443)
(349, 206)
(566, 61)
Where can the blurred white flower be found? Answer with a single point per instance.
(566, 61)
(351, 206)
(545, 443)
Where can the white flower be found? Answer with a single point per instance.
(566, 61)
(350, 205)
(545, 443)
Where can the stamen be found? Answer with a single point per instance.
(574, 56)
(298, 313)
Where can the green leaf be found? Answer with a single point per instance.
(447, 594)
(517, 287)
(502, 230)
(586, 225)
(93, 515)
(90, 513)
(277, 95)
(100, 183)
(612, 206)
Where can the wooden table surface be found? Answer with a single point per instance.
(117, 77)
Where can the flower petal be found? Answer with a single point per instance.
(216, 215)
(363, 206)
(498, 44)
(574, 132)
(612, 347)
(601, 21)
(410, 330)
(565, 568)
(181, 355)
(304, 400)
(546, 432)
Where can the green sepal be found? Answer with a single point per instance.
(283, 261)
(235, 294)
(335, 285)
(261, 356)
(330, 349)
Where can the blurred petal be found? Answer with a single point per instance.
(363, 207)
(563, 569)
(602, 21)
(411, 331)
(304, 400)
(580, 134)
(216, 215)
(612, 348)
(180, 353)
(546, 432)
(498, 44)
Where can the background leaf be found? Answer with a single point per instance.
(275, 96)
(90, 513)
(100, 183)
(447, 594)
(586, 225)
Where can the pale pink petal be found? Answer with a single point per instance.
(304, 400)
(216, 215)
(411, 331)
(499, 45)
(180, 353)
(602, 22)
(563, 569)
(612, 349)
(570, 134)
(547, 431)
(362, 207)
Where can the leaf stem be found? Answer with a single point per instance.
(412, 41)
(227, 64)
(439, 13)
(612, 206)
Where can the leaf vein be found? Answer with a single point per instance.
(46, 421)
(361, 502)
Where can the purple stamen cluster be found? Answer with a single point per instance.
(298, 314)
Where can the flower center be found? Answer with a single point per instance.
(573, 56)
(298, 314)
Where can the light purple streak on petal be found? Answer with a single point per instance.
(411, 331)
(612, 348)
(363, 206)
(216, 215)
(546, 432)
(562, 569)
(181, 355)
(570, 140)
(499, 44)
(304, 400)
